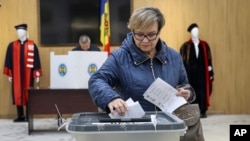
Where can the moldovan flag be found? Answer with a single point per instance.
(105, 26)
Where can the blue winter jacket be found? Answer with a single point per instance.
(128, 72)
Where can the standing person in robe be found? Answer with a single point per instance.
(197, 60)
(22, 66)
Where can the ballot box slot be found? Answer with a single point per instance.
(112, 120)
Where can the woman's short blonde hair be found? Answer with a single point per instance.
(144, 17)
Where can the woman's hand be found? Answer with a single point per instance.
(184, 93)
(119, 105)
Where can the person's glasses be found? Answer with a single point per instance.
(141, 36)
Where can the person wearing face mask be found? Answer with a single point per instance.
(22, 66)
(197, 60)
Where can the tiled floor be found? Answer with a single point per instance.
(215, 128)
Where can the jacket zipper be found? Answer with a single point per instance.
(153, 72)
(152, 68)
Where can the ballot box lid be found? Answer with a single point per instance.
(90, 122)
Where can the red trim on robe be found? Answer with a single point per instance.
(7, 71)
(203, 44)
(16, 82)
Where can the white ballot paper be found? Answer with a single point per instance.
(163, 96)
(134, 110)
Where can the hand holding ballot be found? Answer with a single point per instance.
(167, 98)
(159, 93)
(134, 110)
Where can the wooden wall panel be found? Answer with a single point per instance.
(14, 12)
(223, 24)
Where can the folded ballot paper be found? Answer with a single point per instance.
(134, 110)
(163, 95)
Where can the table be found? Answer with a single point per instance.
(69, 101)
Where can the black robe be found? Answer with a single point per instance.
(199, 74)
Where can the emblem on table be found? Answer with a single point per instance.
(239, 132)
(62, 69)
(92, 69)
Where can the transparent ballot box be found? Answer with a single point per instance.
(100, 127)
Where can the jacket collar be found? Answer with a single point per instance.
(139, 57)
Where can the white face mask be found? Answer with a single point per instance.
(195, 32)
(21, 34)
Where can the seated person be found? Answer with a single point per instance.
(85, 44)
